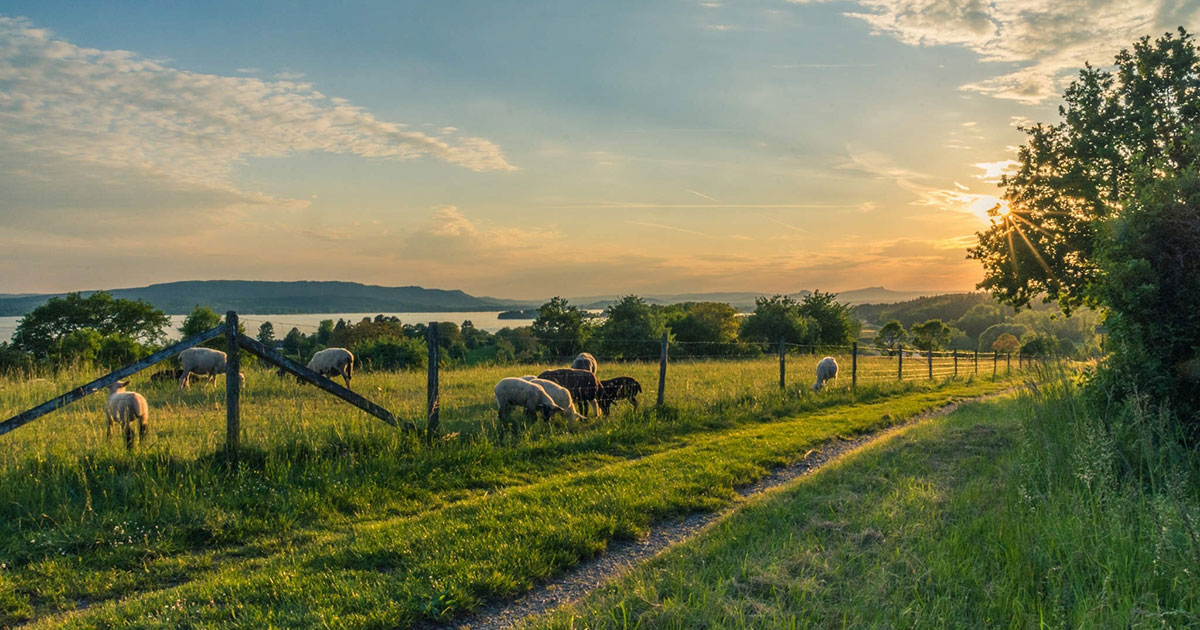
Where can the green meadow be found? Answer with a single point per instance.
(331, 517)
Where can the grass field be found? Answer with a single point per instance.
(1013, 513)
(334, 502)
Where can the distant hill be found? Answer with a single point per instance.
(744, 300)
(947, 308)
(250, 297)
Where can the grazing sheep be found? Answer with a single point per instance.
(826, 371)
(168, 374)
(125, 407)
(202, 361)
(620, 388)
(582, 384)
(560, 394)
(331, 361)
(585, 361)
(514, 392)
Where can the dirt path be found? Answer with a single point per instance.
(622, 556)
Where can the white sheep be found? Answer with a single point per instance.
(584, 361)
(202, 361)
(827, 370)
(125, 407)
(332, 361)
(560, 394)
(514, 392)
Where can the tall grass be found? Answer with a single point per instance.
(1044, 511)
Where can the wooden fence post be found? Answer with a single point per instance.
(782, 364)
(956, 363)
(854, 364)
(662, 371)
(432, 403)
(995, 356)
(1008, 363)
(233, 384)
(929, 356)
(976, 360)
(900, 365)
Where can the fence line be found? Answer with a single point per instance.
(871, 368)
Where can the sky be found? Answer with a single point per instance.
(527, 149)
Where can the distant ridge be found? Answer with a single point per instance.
(263, 297)
(253, 296)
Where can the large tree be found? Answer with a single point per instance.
(1074, 175)
(1103, 209)
(777, 317)
(561, 327)
(40, 331)
(632, 329)
(835, 326)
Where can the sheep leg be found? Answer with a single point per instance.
(185, 380)
(128, 432)
(143, 429)
(633, 400)
(108, 429)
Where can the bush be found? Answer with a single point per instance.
(390, 353)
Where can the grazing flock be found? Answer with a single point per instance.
(555, 391)
(558, 391)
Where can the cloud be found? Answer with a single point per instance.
(993, 171)
(660, 226)
(957, 198)
(95, 115)
(1048, 39)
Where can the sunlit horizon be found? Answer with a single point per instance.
(524, 152)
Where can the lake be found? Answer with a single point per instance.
(308, 322)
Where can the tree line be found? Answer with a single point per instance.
(110, 332)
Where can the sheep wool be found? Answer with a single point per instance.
(126, 407)
(560, 394)
(827, 370)
(333, 361)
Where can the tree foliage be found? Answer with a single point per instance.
(563, 328)
(833, 324)
(777, 317)
(891, 336)
(632, 329)
(931, 335)
(1074, 175)
(40, 332)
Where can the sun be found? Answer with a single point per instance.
(1002, 209)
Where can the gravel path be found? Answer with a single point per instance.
(621, 556)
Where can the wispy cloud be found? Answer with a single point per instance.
(114, 112)
(957, 198)
(816, 66)
(666, 227)
(1048, 39)
(702, 195)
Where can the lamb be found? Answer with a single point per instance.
(514, 392)
(585, 361)
(620, 388)
(331, 361)
(125, 407)
(827, 369)
(560, 394)
(169, 374)
(582, 384)
(202, 361)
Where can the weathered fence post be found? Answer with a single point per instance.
(662, 371)
(432, 403)
(995, 357)
(976, 360)
(782, 364)
(900, 365)
(956, 363)
(233, 384)
(929, 359)
(854, 364)
(1008, 363)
